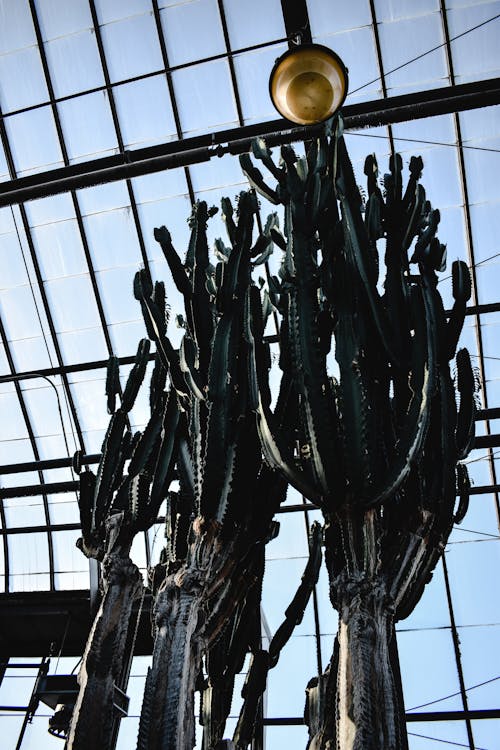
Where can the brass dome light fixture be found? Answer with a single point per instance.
(308, 84)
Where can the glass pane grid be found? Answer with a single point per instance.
(206, 102)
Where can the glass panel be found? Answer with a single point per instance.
(125, 336)
(31, 354)
(110, 10)
(99, 198)
(152, 187)
(116, 293)
(487, 282)
(484, 219)
(7, 223)
(138, 551)
(19, 313)
(72, 303)
(325, 18)
(145, 112)
(475, 55)
(476, 598)
(482, 177)
(59, 249)
(388, 10)
(112, 238)
(252, 74)
(185, 30)
(195, 88)
(477, 124)
(64, 510)
(67, 557)
(21, 512)
(78, 581)
(88, 126)
(51, 209)
(60, 18)
(486, 732)
(174, 214)
(30, 150)
(13, 268)
(291, 541)
(83, 346)
(91, 404)
(139, 34)
(290, 737)
(432, 609)
(357, 50)
(28, 554)
(280, 584)
(431, 675)
(253, 23)
(74, 63)
(17, 26)
(420, 35)
(42, 405)
(452, 733)
(286, 682)
(481, 662)
(93, 440)
(22, 82)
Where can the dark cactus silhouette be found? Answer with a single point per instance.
(114, 506)
(207, 586)
(376, 447)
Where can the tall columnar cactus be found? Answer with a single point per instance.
(377, 448)
(206, 586)
(114, 506)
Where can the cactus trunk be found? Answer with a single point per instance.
(368, 710)
(92, 722)
(167, 718)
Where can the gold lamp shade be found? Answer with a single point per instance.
(308, 84)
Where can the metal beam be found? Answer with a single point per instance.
(238, 140)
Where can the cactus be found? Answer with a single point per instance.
(378, 447)
(114, 506)
(207, 581)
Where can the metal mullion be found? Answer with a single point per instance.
(230, 62)
(116, 122)
(171, 91)
(41, 288)
(380, 65)
(36, 454)
(64, 151)
(470, 247)
(458, 658)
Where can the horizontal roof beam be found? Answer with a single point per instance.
(238, 140)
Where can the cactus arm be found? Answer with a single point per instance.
(189, 366)
(262, 661)
(465, 431)
(165, 462)
(155, 326)
(256, 180)
(356, 242)
(275, 453)
(462, 289)
(463, 489)
(295, 610)
(136, 375)
(112, 383)
(147, 443)
(110, 452)
(179, 275)
(423, 379)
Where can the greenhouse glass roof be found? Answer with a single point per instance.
(116, 115)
